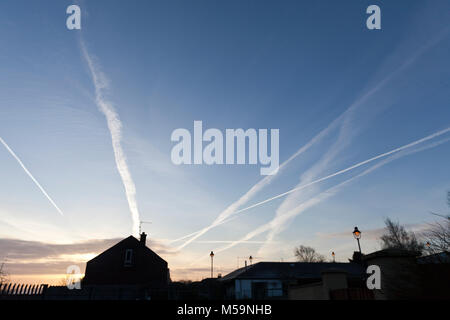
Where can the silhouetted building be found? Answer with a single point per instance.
(207, 289)
(272, 280)
(407, 275)
(334, 285)
(129, 263)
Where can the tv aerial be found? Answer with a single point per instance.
(140, 225)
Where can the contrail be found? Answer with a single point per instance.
(282, 221)
(432, 136)
(412, 144)
(231, 209)
(265, 181)
(30, 175)
(320, 197)
(115, 129)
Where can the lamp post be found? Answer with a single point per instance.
(357, 235)
(212, 258)
(333, 255)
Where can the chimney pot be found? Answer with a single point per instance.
(143, 238)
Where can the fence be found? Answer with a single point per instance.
(92, 292)
(17, 291)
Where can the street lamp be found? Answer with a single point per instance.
(357, 235)
(333, 255)
(212, 257)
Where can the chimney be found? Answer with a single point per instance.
(143, 238)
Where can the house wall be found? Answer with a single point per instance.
(331, 280)
(309, 292)
(399, 277)
(109, 267)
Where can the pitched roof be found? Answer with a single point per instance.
(292, 270)
(391, 252)
(440, 257)
(130, 241)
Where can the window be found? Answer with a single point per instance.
(128, 257)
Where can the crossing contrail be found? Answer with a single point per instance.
(231, 209)
(282, 221)
(115, 128)
(326, 194)
(30, 175)
(357, 165)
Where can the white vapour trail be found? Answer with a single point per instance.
(283, 221)
(115, 129)
(31, 176)
(231, 209)
(357, 165)
(345, 136)
(280, 220)
(342, 119)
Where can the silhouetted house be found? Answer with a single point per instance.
(207, 289)
(407, 275)
(436, 258)
(272, 280)
(129, 263)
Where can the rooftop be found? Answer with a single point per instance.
(292, 270)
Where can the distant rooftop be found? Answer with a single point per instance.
(292, 270)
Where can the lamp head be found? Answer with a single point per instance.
(357, 233)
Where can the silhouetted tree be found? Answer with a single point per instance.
(68, 278)
(3, 275)
(438, 235)
(396, 237)
(308, 254)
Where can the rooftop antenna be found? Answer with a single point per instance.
(140, 225)
(250, 258)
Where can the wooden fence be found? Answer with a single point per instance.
(12, 291)
(17, 291)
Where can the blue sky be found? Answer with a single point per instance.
(292, 65)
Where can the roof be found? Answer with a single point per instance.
(392, 252)
(133, 242)
(440, 257)
(292, 270)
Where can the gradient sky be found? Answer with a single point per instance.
(298, 66)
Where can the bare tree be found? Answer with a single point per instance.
(3, 275)
(308, 254)
(438, 237)
(396, 237)
(438, 234)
